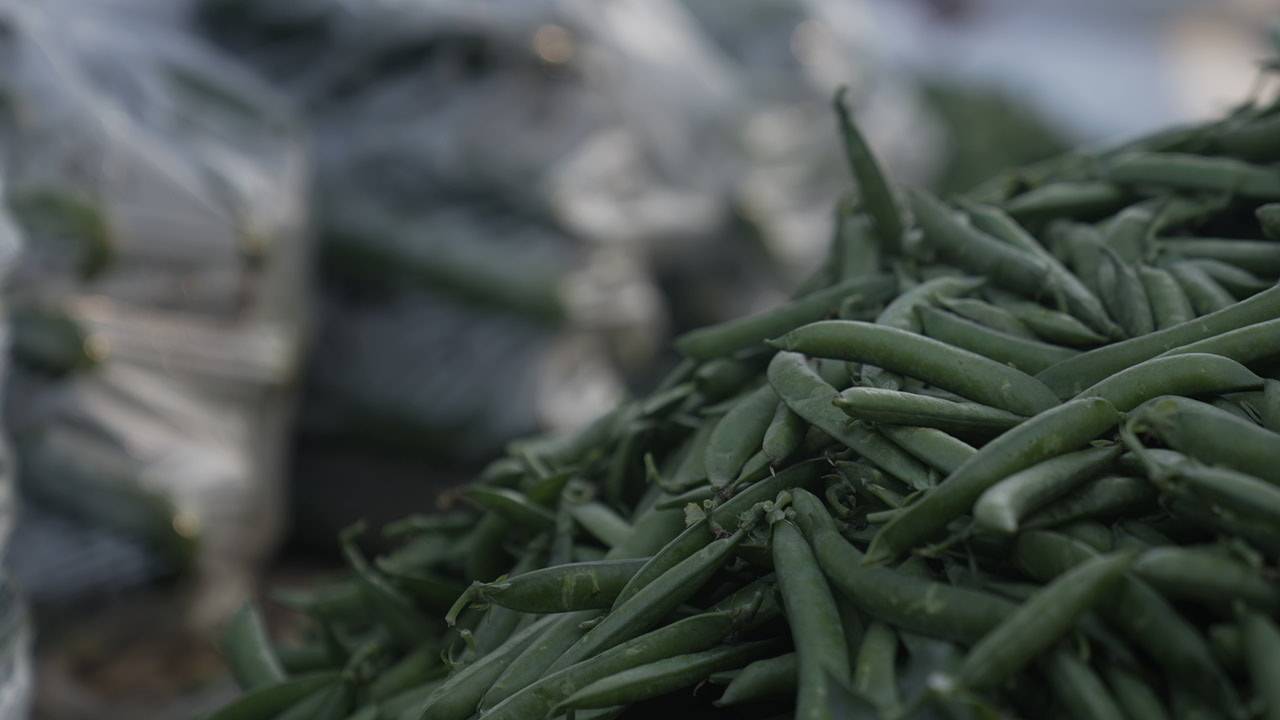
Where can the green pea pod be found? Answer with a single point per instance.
(513, 506)
(1269, 220)
(530, 663)
(432, 589)
(1003, 505)
(601, 522)
(1105, 498)
(1262, 655)
(902, 600)
(419, 667)
(785, 433)
(1134, 693)
(486, 557)
(1129, 232)
(1029, 356)
(965, 373)
(1180, 374)
(1246, 345)
(1181, 171)
(1041, 621)
(561, 588)
(268, 701)
(1078, 688)
(1212, 436)
(248, 651)
(1205, 576)
(876, 196)
(931, 446)
(1080, 200)
(893, 407)
(1205, 294)
(1258, 139)
(1046, 435)
(813, 618)
(812, 399)
(1270, 410)
(692, 469)
(329, 703)
(734, 335)
(664, 676)
(987, 315)
(761, 680)
(385, 601)
(901, 312)
(856, 245)
(722, 377)
(1170, 305)
(1049, 325)
(1237, 281)
(738, 435)
(1069, 377)
(874, 675)
(1124, 295)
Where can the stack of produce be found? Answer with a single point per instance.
(1016, 456)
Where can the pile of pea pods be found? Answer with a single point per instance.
(1011, 456)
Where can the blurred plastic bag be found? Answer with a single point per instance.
(161, 298)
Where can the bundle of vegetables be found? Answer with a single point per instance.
(1016, 456)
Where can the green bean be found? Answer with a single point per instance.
(1240, 283)
(1205, 576)
(739, 435)
(988, 315)
(967, 374)
(1050, 325)
(812, 399)
(1170, 305)
(1071, 376)
(1046, 435)
(1179, 374)
(1212, 436)
(248, 651)
(1041, 621)
(813, 618)
(762, 679)
(1205, 294)
(1261, 257)
(664, 676)
(692, 634)
(1262, 655)
(1029, 356)
(1192, 172)
(784, 434)
(1134, 695)
(1078, 688)
(934, 448)
(640, 612)
(1138, 611)
(901, 312)
(733, 335)
(918, 605)
(1002, 506)
(874, 676)
(894, 407)
(1079, 200)
(561, 588)
(268, 701)
(601, 522)
(1246, 345)
(876, 196)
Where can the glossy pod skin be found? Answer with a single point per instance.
(965, 373)
(873, 188)
(1028, 355)
(1170, 305)
(738, 435)
(894, 407)
(772, 677)
(1002, 506)
(1212, 435)
(562, 588)
(1181, 374)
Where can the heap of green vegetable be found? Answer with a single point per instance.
(1012, 456)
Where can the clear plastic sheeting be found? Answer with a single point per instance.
(159, 306)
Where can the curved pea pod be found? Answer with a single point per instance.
(1075, 374)
(934, 448)
(812, 399)
(561, 588)
(999, 225)
(1133, 693)
(722, 377)
(1080, 200)
(268, 701)
(874, 676)
(900, 599)
(1051, 433)
(651, 603)
(1002, 506)
(1102, 499)
(857, 250)
(987, 315)
(894, 407)
(1180, 374)
(762, 679)
(1041, 621)
(960, 371)
(1212, 435)
(512, 505)
(1078, 688)
(785, 433)
(1245, 345)
(901, 312)
(1262, 656)
(458, 696)
(248, 650)
(1129, 231)
(738, 435)
(530, 663)
(873, 189)
(1205, 294)
(1029, 356)
(733, 335)
(812, 617)
(1261, 257)
(1138, 611)
(690, 635)
(601, 522)
(1237, 281)
(1194, 172)
(1049, 325)
(1170, 305)
(1123, 294)
(664, 676)
(1203, 575)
